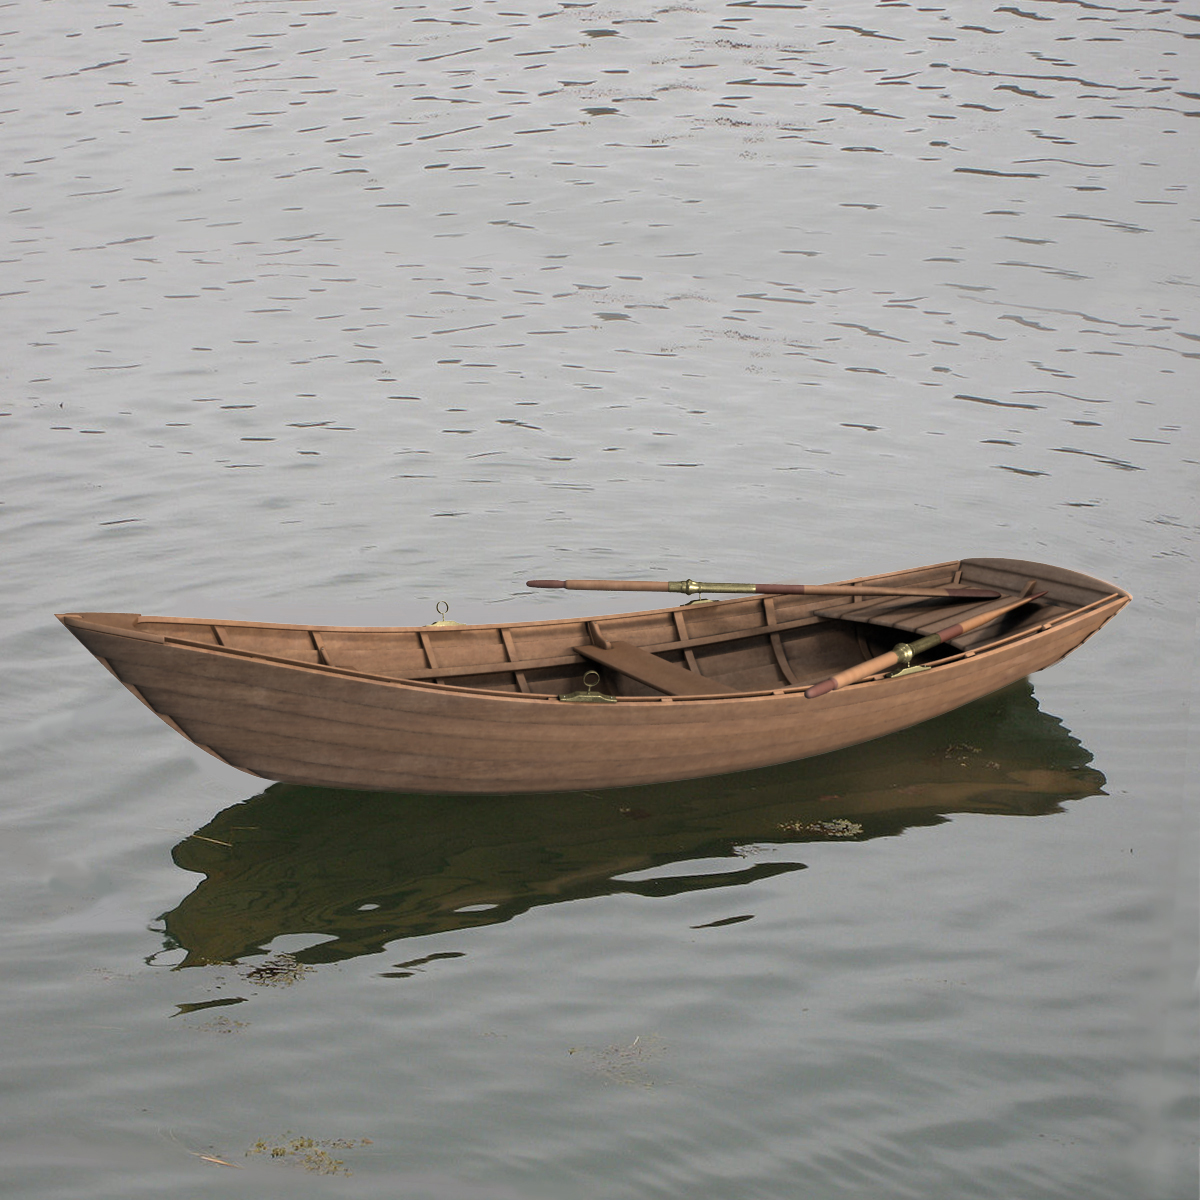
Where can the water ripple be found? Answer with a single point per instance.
(332, 311)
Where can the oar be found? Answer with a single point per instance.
(905, 652)
(689, 587)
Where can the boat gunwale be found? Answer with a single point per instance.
(1117, 596)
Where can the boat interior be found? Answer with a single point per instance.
(759, 643)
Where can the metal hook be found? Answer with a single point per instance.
(590, 680)
(443, 608)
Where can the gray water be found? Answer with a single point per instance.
(328, 312)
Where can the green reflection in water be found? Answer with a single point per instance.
(368, 868)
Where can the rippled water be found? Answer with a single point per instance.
(329, 312)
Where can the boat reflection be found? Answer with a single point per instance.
(364, 869)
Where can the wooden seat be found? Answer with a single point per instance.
(651, 670)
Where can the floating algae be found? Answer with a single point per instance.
(621, 1064)
(220, 1025)
(310, 1153)
(280, 971)
(837, 828)
(966, 755)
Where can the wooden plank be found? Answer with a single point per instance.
(911, 618)
(430, 658)
(488, 668)
(1036, 617)
(598, 638)
(411, 677)
(167, 718)
(510, 649)
(715, 639)
(653, 671)
(781, 658)
(689, 655)
(1066, 587)
(319, 647)
(347, 721)
(233, 651)
(426, 645)
(905, 614)
(920, 620)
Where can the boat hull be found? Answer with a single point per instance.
(307, 724)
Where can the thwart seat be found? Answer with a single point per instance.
(653, 671)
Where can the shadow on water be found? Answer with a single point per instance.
(363, 869)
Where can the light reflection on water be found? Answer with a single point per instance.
(327, 312)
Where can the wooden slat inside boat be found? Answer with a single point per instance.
(697, 690)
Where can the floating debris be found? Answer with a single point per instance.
(212, 1158)
(725, 921)
(961, 753)
(104, 975)
(215, 841)
(837, 828)
(310, 1153)
(625, 1065)
(282, 970)
(184, 1009)
(202, 1155)
(219, 1025)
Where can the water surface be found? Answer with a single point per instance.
(328, 312)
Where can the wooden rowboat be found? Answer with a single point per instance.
(683, 692)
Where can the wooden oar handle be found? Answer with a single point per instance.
(853, 674)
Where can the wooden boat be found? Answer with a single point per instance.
(684, 692)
